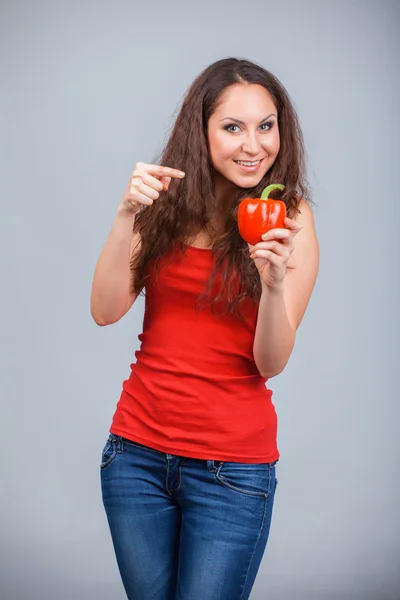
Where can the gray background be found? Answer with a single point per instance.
(89, 89)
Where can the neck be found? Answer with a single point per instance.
(224, 190)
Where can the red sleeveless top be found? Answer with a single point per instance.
(194, 390)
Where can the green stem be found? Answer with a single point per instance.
(268, 190)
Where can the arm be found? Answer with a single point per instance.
(111, 297)
(282, 307)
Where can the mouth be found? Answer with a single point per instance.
(249, 166)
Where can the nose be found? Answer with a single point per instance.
(251, 145)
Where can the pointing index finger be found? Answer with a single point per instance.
(165, 171)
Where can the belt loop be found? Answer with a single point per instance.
(120, 444)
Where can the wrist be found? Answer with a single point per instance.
(272, 290)
(125, 215)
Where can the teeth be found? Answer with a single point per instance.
(247, 164)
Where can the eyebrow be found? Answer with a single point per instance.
(242, 123)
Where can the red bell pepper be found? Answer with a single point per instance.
(256, 216)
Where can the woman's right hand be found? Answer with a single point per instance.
(145, 185)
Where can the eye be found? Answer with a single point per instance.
(264, 127)
(227, 127)
(268, 125)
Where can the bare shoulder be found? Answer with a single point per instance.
(306, 215)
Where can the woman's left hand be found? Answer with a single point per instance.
(272, 254)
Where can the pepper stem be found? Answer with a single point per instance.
(268, 190)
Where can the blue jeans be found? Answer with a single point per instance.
(185, 528)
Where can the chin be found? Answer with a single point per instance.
(247, 181)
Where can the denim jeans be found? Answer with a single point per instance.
(185, 528)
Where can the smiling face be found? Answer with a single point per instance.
(243, 135)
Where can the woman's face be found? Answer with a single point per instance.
(243, 134)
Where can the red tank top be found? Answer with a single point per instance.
(194, 390)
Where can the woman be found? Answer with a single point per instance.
(188, 472)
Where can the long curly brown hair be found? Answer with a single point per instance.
(187, 207)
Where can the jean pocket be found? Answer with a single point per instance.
(251, 479)
(109, 451)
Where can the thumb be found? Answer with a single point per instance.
(166, 181)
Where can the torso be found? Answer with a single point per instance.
(206, 237)
(201, 240)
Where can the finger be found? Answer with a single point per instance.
(275, 247)
(273, 258)
(151, 181)
(293, 225)
(281, 234)
(145, 190)
(141, 199)
(165, 182)
(160, 171)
